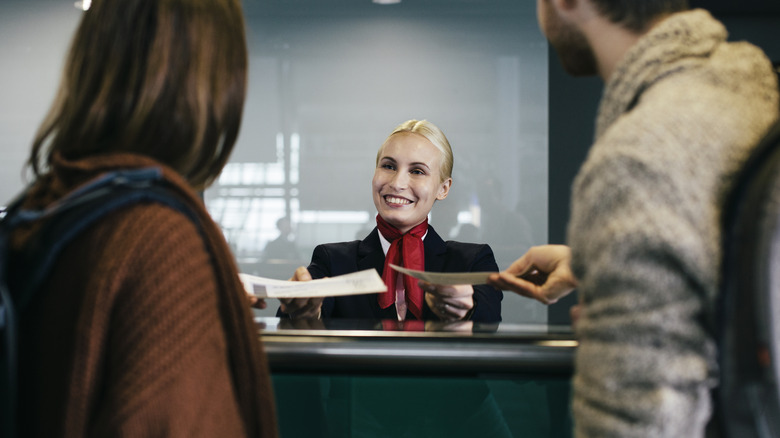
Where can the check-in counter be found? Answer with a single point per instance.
(343, 378)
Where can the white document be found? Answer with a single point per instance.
(446, 277)
(356, 283)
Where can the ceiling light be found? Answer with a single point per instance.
(83, 4)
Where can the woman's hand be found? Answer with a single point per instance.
(255, 301)
(301, 307)
(553, 263)
(448, 302)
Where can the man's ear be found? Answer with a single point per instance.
(565, 5)
(444, 189)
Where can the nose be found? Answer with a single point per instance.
(399, 181)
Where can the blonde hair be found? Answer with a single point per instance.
(433, 134)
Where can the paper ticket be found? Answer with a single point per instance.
(356, 283)
(446, 277)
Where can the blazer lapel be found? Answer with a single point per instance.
(371, 256)
(434, 251)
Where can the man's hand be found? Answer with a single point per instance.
(553, 266)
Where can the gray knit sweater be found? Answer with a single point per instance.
(677, 118)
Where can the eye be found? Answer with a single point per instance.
(417, 171)
(388, 166)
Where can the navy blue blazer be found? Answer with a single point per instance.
(333, 259)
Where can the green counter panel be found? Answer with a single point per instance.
(380, 406)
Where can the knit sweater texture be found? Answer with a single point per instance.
(677, 119)
(142, 328)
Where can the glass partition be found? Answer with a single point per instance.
(329, 79)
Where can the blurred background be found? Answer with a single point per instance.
(329, 80)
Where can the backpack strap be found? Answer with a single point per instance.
(8, 356)
(81, 210)
(65, 220)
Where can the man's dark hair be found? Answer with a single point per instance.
(636, 15)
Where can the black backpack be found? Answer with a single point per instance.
(65, 220)
(747, 325)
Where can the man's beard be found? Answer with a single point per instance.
(570, 44)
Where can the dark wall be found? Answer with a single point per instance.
(573, 105)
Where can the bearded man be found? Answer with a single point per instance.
(682, 109)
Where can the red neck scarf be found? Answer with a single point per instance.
(412, 325)
(405, 250)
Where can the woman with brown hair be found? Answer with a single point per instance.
(142, 328)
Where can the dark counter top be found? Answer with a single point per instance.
(412, 347)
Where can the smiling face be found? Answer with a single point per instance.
(407, 180)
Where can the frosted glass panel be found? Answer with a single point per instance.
(328, 80)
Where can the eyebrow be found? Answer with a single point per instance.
(416, 163)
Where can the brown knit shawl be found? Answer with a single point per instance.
(247, 366)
